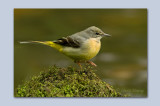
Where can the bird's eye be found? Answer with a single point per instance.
(97, 33)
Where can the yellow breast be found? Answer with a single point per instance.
(93, 46)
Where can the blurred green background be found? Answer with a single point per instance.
(122, 60)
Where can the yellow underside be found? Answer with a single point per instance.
(87, 51)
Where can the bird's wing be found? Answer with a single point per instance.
(68, 41)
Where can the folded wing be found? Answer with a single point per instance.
(68, 41)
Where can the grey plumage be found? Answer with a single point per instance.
(78, 38)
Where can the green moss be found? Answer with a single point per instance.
(66, 82)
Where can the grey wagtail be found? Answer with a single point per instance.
(81, 46)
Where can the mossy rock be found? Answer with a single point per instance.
(66, 82)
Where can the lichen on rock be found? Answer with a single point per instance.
(66, 82)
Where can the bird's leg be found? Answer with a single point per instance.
(78, 63)
(93, 64)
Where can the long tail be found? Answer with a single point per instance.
(48, 43)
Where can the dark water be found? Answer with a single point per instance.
(121, 62)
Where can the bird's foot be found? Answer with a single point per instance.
(78, 63)
(93, 64)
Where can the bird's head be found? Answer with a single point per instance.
(94, 32)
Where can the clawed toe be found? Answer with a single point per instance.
(78, 63)
(90, 62)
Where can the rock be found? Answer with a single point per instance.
(66, 82)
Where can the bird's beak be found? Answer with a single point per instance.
(107, 35)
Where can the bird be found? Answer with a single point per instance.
(81, 47)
